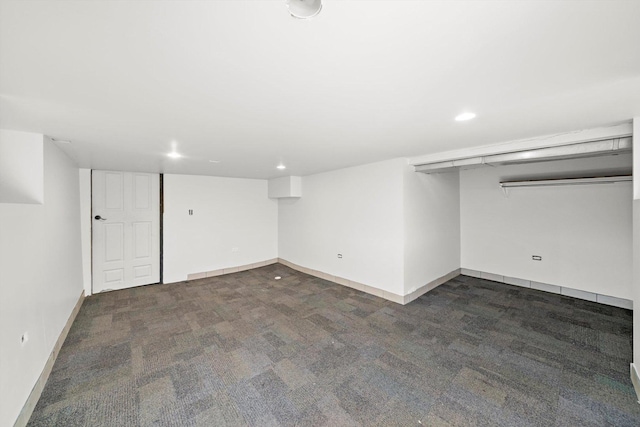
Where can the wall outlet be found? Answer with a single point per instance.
(24, 338)
(339, 255)
(536, 257)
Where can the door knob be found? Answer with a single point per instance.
(99, 218)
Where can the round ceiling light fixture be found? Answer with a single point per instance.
(304, 9)
(281, 167)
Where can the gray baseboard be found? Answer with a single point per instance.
(229, 270)
(635, 380)
(399, 299)
(431, 285)
(555, 289)
(345, 282)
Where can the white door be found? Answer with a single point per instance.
(125, 229)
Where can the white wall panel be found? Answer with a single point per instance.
(21, 167)
(85, 227)
(583, 233)
(356, 212)
(40, 278)
(636, 245)
(233, 223)
(431, 226)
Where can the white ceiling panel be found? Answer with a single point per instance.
(245, 84)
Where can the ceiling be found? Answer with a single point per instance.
(245, 84)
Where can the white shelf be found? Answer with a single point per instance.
(568, 181)
(505, 185)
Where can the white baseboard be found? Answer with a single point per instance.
(554, 289)
(34, 396)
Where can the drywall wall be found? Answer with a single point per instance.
(21, 158)
(431, 226)
(583, 233)
(356, 212)
(233, 223)
(636, 281)
(285, 186)
(40, 278)
(636, 246)
(84, 176)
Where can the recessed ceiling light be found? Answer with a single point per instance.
(281, 167)
(214, 161)
(304, 9)
(174, 155)
(465, 116)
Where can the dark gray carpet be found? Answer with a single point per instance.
(244, 349)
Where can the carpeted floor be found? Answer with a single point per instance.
(244, 349)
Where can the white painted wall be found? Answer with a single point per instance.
(357, 212)
(85, 227)
(636, 245)
(228, 213)
(583, 233)
(431, 226)
(21, 158)
(40, 278)
(636, 277)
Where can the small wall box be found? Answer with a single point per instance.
(21, 167)
(284, 187)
